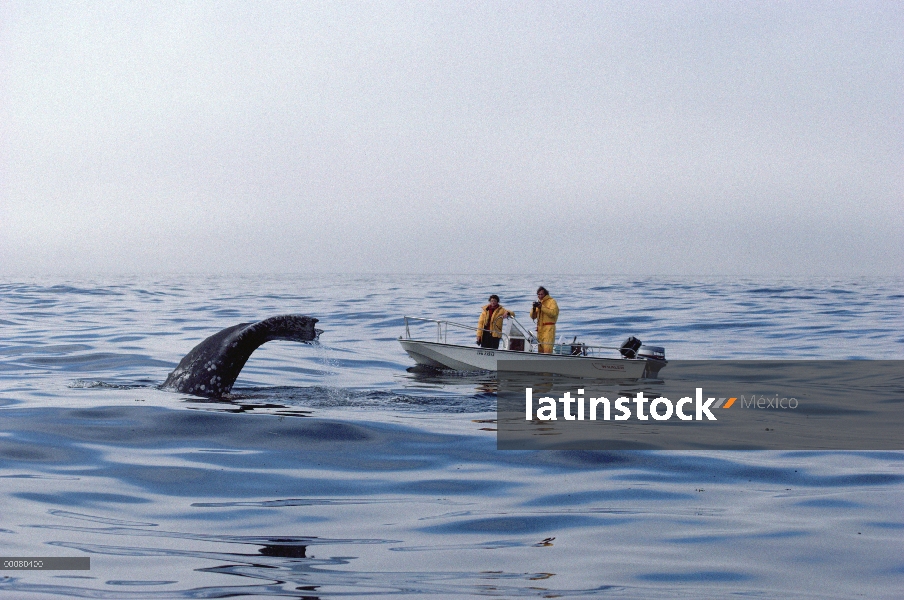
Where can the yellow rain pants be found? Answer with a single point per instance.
(546, 317)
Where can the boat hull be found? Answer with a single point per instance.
(465, 358)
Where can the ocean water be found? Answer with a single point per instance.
(336, 471)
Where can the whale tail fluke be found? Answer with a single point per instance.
(212, 367)
(292, 328)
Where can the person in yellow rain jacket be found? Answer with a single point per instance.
(545, 312)
(489, 327)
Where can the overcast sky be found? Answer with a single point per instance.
(673, 138)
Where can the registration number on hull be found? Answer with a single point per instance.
(486, 353)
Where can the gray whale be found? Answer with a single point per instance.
(212, 366)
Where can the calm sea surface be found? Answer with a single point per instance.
(333, 471)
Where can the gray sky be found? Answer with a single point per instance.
(686, 138)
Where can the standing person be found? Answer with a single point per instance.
(545, 312)
(489, 327)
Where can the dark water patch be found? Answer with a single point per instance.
(885, 524)
(98, 519)
(453, 487)
(332, 432)
(518, 524)
(126, 338)
(622, 495)
(290, 502)
(83, 336)
(140, 582)
(69, 289)
(249, 483)
(828, 503)
(488, 545)
(736, 538)
(725, 471)
(865, 479)
(589, 458)
(150, 426)
(210, 328)
(121, 414)
(324, 397)
(838, 312)
(36, 315)
(692, 467)
(724, 325)
(80, 499)
(877, 455)
(155, 294)
(773, 290)
(98, 361)
(44, 349)
(696, 577)
(18, 369)
(225, 515)
(49, 477)
(158, 477)
(21, 451)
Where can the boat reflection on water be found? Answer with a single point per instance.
(483, 382)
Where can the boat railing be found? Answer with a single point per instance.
(442, 328)
(574, 348)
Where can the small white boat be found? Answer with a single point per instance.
(518, 347)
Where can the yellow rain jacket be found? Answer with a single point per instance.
(496, 326)
(546, 317)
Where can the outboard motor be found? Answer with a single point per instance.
(630, 347)
(655, 357)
